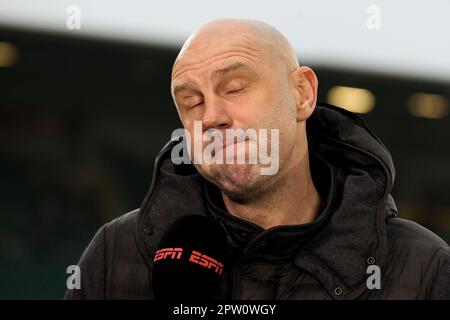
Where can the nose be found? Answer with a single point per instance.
(216, 115)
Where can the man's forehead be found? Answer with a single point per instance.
(205, 49)
(218, 65)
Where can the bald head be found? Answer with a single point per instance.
(257, 37)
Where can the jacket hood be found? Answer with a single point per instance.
(354, 234)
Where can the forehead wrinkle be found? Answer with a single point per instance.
(233, 66)
(208, 61)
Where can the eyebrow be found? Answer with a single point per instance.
(179, 88)
(232, 67)
(223, 71)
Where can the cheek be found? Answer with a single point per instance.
(284, 119)
(279, 102)
(281, 113)
(189, 131)
(266, 109)
(188, 116)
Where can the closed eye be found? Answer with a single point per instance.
(235, 86)
(196, 105)
(234, 90)
(192, 101)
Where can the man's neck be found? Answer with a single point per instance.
(294, 201)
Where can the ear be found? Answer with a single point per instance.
(306, 85)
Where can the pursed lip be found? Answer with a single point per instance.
(235, 141)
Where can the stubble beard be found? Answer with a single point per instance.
(239, 182)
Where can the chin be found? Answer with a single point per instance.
(238, 181)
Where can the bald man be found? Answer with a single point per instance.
(322, 225)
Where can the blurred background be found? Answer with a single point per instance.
(85, 107)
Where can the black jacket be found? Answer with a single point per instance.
(326, 259)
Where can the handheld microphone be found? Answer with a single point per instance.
(189, 262)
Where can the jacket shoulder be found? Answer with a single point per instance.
(408, 231)
(126, 223)
(111, 254)
(419, 260)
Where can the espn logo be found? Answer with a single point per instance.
(206, 261)
(173, 253)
